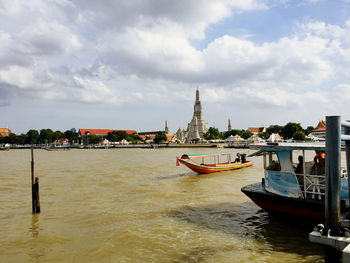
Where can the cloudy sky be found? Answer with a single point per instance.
(132, 64)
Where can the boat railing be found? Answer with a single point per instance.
(313, 186)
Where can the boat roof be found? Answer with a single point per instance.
(193, 156)
(272, 146)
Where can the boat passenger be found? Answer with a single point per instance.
(243, 158)
(238, 159)
(299, 168)
(274, 166)
(319, 163)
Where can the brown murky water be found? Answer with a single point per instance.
(135, 205)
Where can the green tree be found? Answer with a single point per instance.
(161, 136)
(245, 134)
(71, 135)
(263, 135)
(274, 129)
(212, 134)
(196, 140)
(94, 139)
(231, 132)
(12, 139)
(58, 135)
(112, 137)
(117, 136)
(32, 137)
(299, 136)
(134, 138)
(46, 136)
(289, 129)
(308, 130)
(21, 139)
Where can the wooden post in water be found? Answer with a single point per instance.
(35, 187)
(36, 196)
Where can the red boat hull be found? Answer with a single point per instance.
(307, 208)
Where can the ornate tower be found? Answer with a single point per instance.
(197, 127)
(166, 130)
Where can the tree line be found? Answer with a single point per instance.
(44, 136)
(291, 130)
(48, 136)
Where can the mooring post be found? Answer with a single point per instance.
(36, 196)
(35, 187)
(32, 179)
(332, 199)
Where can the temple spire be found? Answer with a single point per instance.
(166, 127)
(197, 127)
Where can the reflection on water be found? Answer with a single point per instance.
(132, 205)
(246, 221)
(176, 176)
(34, 229)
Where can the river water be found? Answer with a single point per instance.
(135, 205)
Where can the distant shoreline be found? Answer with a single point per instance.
(130, 146)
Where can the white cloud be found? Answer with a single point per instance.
(92, 91)
(141, 51)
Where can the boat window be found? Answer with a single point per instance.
(314, 162)
(272, 162)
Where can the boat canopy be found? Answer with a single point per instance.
(289, 146)
(194, 156)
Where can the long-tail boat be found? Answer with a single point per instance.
(217, 165)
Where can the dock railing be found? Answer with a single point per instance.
(333, 234)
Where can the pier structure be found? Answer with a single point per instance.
(335, 233)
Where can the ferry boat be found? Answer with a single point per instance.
(230, 163)
(285, 190)
(56, 148)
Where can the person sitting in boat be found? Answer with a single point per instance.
(319, 163)
(243, 158)
(299, 168)
(238, 159)
(274, 166)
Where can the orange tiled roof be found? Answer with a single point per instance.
(4, 132)
(102, 131)
(320, 129)
(321, 124)
(253, 129)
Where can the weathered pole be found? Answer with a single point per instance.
(35, 187)
(32, 179)
(36, 195)
(332, 198)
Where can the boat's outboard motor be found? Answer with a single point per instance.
(243, 158)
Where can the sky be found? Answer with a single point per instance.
(132, 64)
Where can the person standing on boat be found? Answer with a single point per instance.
(299, 168)
(319, 163)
